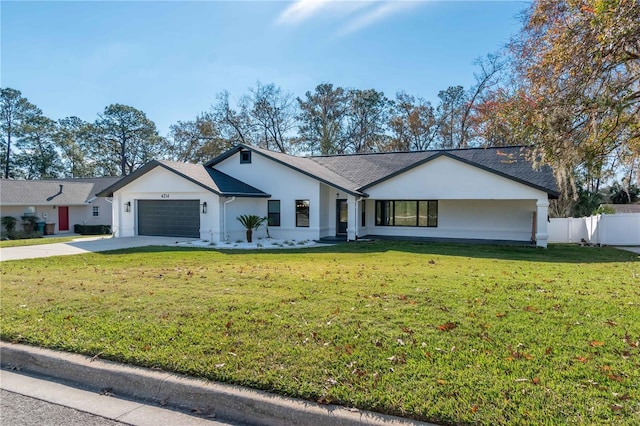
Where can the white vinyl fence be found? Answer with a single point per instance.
(609, 229)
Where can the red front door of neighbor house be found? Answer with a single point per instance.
(63, 218)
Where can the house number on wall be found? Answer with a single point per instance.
(164, 196)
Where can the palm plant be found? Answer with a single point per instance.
(251, 222)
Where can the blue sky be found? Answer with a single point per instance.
(171, 58)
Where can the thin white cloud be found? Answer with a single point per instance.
(354, 15)
(301, 10)
(380, 12)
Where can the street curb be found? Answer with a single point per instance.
(226, 402)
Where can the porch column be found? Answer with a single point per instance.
(115, 217)
(352, 221)
(541, 223)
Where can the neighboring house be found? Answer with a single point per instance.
(477, 193)
(623, 208)
(62, 202)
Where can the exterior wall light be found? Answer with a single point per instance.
(127, 206)
(204, 207)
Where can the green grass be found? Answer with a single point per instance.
(452, 334)
(40, 241)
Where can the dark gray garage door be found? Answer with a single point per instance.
(169, 218)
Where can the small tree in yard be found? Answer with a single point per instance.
(251, 222)
(9, 223)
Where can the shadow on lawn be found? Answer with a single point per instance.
(556, 253)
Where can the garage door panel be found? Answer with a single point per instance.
(169, 218)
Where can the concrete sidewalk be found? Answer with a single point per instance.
(228, 403)
(84, 245)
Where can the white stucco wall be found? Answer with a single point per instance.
(283, 184)
(445, 178)
(473, 219)
(472, 203)
(233, 230)
(162, 184)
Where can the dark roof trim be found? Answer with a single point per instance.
(228, 153)
(108, 192)
(401, 171)
(245, 195)
(242, 147)
(237, 193)
(552, 194)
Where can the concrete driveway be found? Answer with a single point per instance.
(87, 246)
(635, 249)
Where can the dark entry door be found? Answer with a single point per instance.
(169, 218)
(63, 218)
(342, 213)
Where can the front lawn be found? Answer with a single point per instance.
(40, 241)
(446, 333)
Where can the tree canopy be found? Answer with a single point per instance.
(567, 85)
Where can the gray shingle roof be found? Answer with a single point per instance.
(68, 192)
(356, 172)
(308, 166)
(624, 208)
(212, 180)
(365, 169)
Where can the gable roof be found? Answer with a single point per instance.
(304, 165)
(66, 192)
(509, 162)
(355, 173)
(210, 179)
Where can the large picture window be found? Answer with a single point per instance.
(302, 213)
(407, 213)
(273, 212)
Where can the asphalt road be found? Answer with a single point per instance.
(20, 410)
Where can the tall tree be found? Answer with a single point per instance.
(367, 118)
(13, 108)
(234, 125)
(450, 112)
(127, 138)
(72, 137)
(322, 119)
(273, 113)
(197, 141)
(579, 61)
(412, 123)
(487, 78)
(38, 157)
(500, 118)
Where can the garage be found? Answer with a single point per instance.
(169, 218)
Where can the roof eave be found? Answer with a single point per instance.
(401, 171)
(355, 193)
(245, 195)
(552, 194)
(228, 153)
(108, 192)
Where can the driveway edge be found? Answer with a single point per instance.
(226, 402)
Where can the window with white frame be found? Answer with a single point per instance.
(96, 211)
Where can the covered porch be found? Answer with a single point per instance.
(349, 217)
